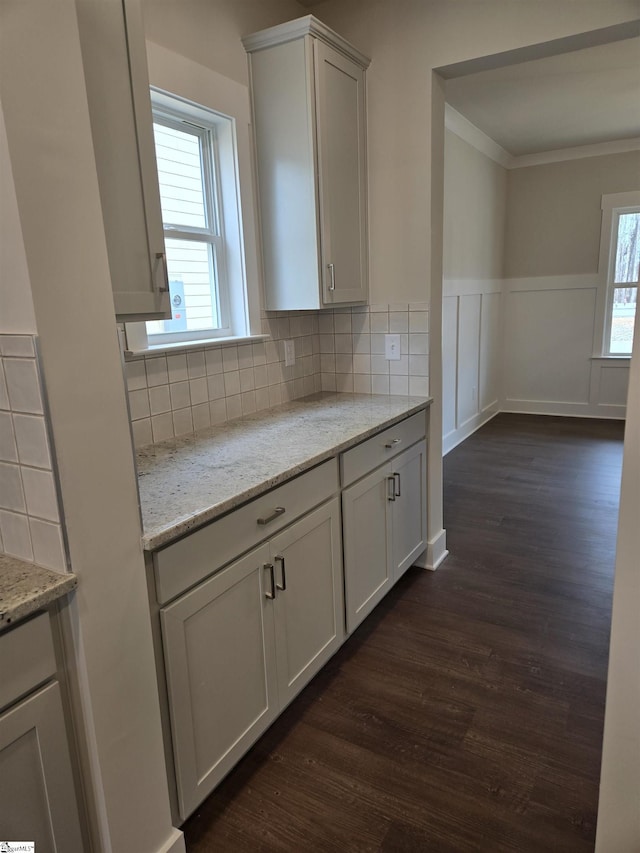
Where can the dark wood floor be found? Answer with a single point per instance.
(466, 713)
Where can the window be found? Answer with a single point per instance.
(203, 150)
(188, 162)
(620, 266)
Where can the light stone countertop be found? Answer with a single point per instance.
(186, 482)
(25, 588)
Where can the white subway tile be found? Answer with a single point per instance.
(198, 390)
(177, 366)
(399, 385)
(379, 322)
(327, 343)
(139, 404)
(399, 367)
(344, 363)
(342, 324)
(142, 434)
(32, 441)
(398, 321)
(4, 396)
(201, 416)
(361, 363)
(377, 344)
(248, 402)
(157, 371)
(40, 493)
(182, 421)
(418, 344)
(380, 384)
(344, 383)
(419, 306)
(362, 344)
(11, 493)
(215, 386)
(16, 537)
(48, 545)
(23, 385)
(328, 381)
(419, 386)
(418, 321)
(232, 383)
(275, 395)
(379, 365)
(261, 379)
(398, 306)
(136, 374)
(262, 399)
(247, 380)
(325, 324)
(180, 396)
(159, 399)
(419, 365)
(213, 361)
(230, 358)
(344, 343)
(360, 324)
(274, 373)
(20, 346)
(361, 383)
(162, 427)
(259, 353)
(196, 364)
(234, 407)
(218, 411)
(245, 356)
(378, 308)
(8, 449)
(271, 350)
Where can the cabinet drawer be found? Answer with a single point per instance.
(365, 457)
(27, 658)
(185, 563)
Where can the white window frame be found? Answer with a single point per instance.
(208, 96)
(613, 205)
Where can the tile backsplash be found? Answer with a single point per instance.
(30, 524)
(340, 349)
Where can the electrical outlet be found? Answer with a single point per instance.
(289, 353)
(392, 347)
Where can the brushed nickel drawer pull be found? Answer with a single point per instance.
(332, 276)
(279, 510)
(283, 585)
(393, 442)
(270, 594)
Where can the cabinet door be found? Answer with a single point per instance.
(220, 663)
(367, 544)
(116, 77)
(309, 602)
(37, 796)
(409, 509)
(340, 111)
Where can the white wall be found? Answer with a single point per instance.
(618, 828)
(16, 304)
(475, 192)
(552, 286)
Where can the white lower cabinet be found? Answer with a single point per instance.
(243, 643)
(384, 529)
(37, 793)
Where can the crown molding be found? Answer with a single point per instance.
(462, 127)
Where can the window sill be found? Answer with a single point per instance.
(189, 346)
(610, 358)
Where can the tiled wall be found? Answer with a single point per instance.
(30, 525)
(339, 349)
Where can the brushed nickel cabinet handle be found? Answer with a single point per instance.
(332, 274)
(396, 478)
(272, 593)
(282, 586)
(161, 259)
(279, 510)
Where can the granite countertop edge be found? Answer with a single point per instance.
(27, 587)
(164, 534)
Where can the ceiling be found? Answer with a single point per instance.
(582, 97)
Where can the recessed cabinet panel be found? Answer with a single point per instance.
(219, 653)
(309, 604)
(341, 169)
(37, 795)
(367, 545)
(409, 508)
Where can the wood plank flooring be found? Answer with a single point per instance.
(466, 713)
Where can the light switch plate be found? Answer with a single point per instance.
(392, 347)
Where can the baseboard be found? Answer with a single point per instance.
(435, 553)
(457, 436)
(562, 409)
(174, 844)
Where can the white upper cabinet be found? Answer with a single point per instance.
(117, 81)
(308, 93)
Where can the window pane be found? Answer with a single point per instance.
(191, 268)
(628, 249)
(623, 319)
(180, 176)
